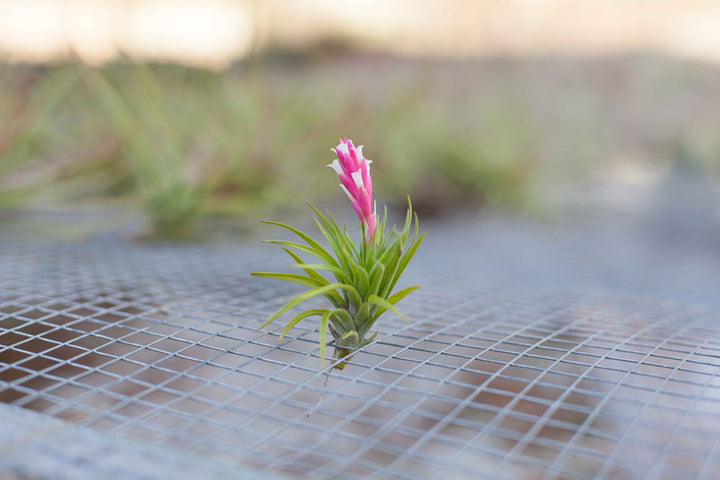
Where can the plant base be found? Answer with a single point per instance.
(346, 345)
(343, 354)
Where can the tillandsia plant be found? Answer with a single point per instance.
(363, 276)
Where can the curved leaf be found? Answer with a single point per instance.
(376, 275)
(344, 318)
(301, 316)
(320, 255)
(370, 340)
(353, 294)
(404, 261)
(395, 298)
(293, 277)
(309, 270)
(301, 298)
(323, 266)
(334, 244)
(350, 242)
(308, 239)
(393, 257)
(381, 302)
(323, 334)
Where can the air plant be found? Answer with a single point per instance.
(362, 277)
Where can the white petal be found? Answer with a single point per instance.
(346, 192)
(358, 149)
(357, 176)
(335, 165)
(343, 148)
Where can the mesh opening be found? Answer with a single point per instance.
(159, 344)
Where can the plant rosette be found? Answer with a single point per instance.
(362, 277)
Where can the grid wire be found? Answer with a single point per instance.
(160, 344)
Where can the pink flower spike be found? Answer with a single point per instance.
(353, 170)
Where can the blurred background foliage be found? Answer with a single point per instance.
(181, 144)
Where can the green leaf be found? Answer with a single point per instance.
(332, 240)
(322, 266)
(351, 334)
(323, 334)
(344, 318)
(359, 276)
(363, 311)
(319, 254)
(329, 228)
(376, 275)
(301, 316)
(325, 224)
(331, 233)
(335, 298)
(301, 298)
(363, 283)
(393, 257)
(310, 241)
(385, 216)
(395, 298)
(349, 242)
(308, 269)
(382, 303)
(404, 261)
(292, 277)
(363, 319)
(408, 220)
(370, 340)
(318, 213)
(353, 294)
(392, 250)
(332, 221)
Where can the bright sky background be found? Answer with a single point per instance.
(216, 32)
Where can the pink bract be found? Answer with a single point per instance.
(354, 173)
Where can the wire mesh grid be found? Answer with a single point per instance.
(159, 344)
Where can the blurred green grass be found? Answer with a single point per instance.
(180, 144)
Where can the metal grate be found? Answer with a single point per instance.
(159, 344)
